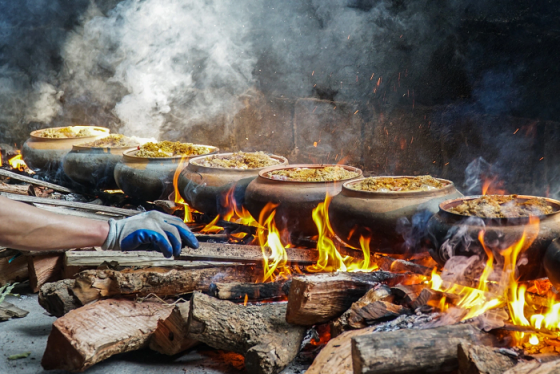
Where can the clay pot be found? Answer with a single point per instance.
(296, 200)
(552, 263)
(93, 167)
(148, 178)
(46, 154)
(204, 188)
(453, 234)
(385, 216)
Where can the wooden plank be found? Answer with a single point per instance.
(36, 182)
(320, 298)
(72, 204)
(244, 253)
(414, 351)
(95, 332)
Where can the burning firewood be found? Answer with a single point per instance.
(253, 291)
(95, 332)
(260, 333)
(478, 359)
(320, 298)
(414, 351)
(33, 181)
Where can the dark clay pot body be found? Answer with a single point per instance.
(296, 200)
(93, 167)
(380, 215)
(456, 235)
(46, 154)
(552, 263)
(204, 188)
(148, 178)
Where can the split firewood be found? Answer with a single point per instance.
(336, 356)
(58, 298)
(8, 311)
(253, 291)
(260, 333)
(171, 334)
(374, 312)
(381, 292)
(478, 359)
(414, 351)
(320, 298)
(406, 295)
(95, 332)
(77, 261)
(18, 189)
(96, 284)
(535, 367)
(12, 268)
(394, 265)
(43, 269)
(243, 253)
(434, 298)
(33, 181)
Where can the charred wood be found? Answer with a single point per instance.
(95, 332)
(478, 359)
(260, 333)
(433, 298)
(253, 291)
(414, 351)
(320, 298)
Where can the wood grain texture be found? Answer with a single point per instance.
(95, 332)
(478, 359)
(43, 269)
(14, 271)
(171, 335)
(535, 367)
(36, 182)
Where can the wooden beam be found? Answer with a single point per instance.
(72, 204)
(244, 253)
(260, 333)
(36, 182)
(320, 298)
(414, 351)
(95, 332)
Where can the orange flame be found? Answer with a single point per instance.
(16, 162)
(275, 257)
(493, 186)
(177, 196)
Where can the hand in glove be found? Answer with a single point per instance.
(152, 231)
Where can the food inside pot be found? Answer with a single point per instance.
(402, 184)
(113, 141)
(238, 160)
(170, 149)
(319, 174)
(506, 206)
(70, 132)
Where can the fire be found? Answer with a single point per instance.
(16, 162)
(275, 257)
(177, 196)
(493, 186)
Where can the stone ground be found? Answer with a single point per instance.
(30, 334)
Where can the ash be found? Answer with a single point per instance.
(414, 321)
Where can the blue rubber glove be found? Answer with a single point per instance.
(153, 231)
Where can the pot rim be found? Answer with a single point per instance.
(448, 187)
(443, 206)
(309, 166)
(128, 154)
(35, 134)
(284, 161)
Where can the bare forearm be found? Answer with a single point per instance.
(28, 228)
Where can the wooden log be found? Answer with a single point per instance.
(433, 298)
(12, 269)
(253, 291)
(535, 367)
(171, 335)
(244, 253)
(336, 356)
(76, 261)
(414, 351)
(478, 359)
(320, 298)
(18, 189)
(33, 181)
(260, 333)
(382, 292)
(72, 204)
(57, 298)
(43, 269)
(96, 284)
(95, 332)
(373, 312)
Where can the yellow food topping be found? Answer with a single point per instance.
(112, 141)
(388, 184)
(170, 149)
(319, 174)
(238, 160)
(503, 206)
